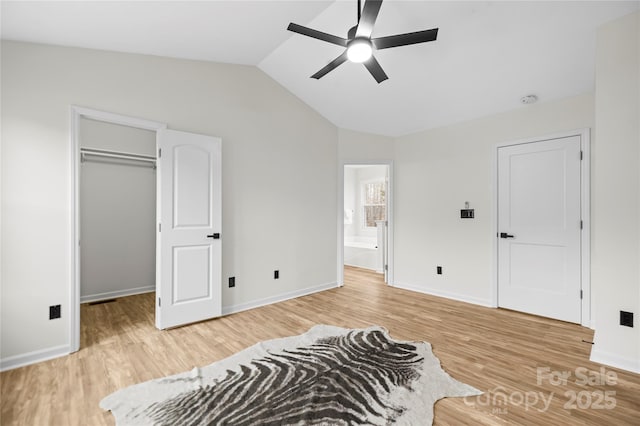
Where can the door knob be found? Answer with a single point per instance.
(215, 236)
(505, 235)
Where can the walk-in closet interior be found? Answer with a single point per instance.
(117, 200)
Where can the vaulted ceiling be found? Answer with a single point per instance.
(487, 55)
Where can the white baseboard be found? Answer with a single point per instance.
(17, 361)
(226, 310)
(445, 294)
(360, 266)
(614, 360)
(115, 294)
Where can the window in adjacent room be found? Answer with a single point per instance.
(374, 203)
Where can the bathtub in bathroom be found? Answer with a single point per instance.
(363, 252)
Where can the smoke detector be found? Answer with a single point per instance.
(529, 99)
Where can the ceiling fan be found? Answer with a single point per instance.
(359, 44)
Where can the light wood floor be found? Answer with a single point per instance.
(495, 350)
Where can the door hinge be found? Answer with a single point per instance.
(159, 302)
(581, 155)
(159, 227)
(386, 267)
(580, 294)
(581, 225)
(159, 152)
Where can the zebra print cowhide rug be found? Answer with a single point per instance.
(327, 376)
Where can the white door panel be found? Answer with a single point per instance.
(187, 267)
(192, 187)
(539, 260)
(190, 278)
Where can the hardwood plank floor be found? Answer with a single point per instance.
(495, 350)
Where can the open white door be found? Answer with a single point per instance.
(539, 228)
(189, 281)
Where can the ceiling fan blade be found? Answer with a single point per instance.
(331, 66)
(375, 69)
(368, 18)
(330, 38)
(405, 39)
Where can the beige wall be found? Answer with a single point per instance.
(273, 221)
(436, 171)
(279, 175)
(364, 147)
(616, 193)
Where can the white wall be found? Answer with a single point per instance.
(436, 171)
(279, 175)
(117, 213)
(616, 193)
(364, 147)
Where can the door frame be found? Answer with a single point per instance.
(77, 113)
(389, 164)
(585, 209)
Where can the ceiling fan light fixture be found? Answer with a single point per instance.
(359, 50)
(359, 44)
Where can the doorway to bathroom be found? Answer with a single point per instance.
(366, 238)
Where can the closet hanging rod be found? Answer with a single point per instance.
(116, 154)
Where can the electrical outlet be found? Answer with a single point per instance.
(626, 318)
(439, 270)
(54, 312)
(276, 274)
(232, 282)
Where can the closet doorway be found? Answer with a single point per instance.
(117, 210)
(167, 239)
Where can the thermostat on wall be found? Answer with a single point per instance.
(466, 214)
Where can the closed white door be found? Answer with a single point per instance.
(539, 228)
(189, 245)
